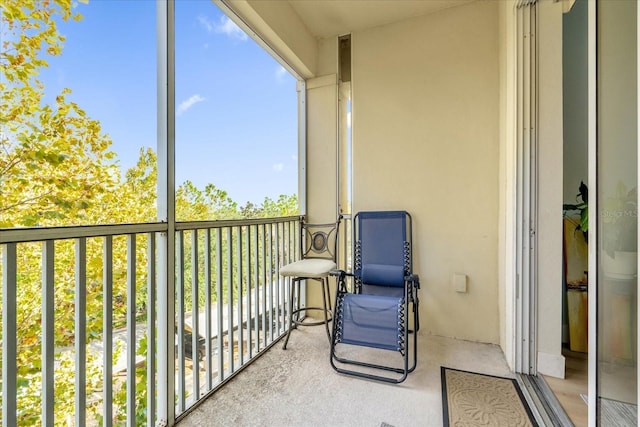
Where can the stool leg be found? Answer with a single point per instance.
(325, 287)
(290, 314)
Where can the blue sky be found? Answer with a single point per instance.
(236, 107)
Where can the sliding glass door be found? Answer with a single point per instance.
(616, 163)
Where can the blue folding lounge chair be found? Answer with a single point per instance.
(376, 312)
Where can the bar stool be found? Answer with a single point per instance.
(318, 248)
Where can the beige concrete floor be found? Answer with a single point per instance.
(298, 387)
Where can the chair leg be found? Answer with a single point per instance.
(329, 296)
(290, 314)
(416, 322)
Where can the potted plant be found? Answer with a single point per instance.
(582, 205)
(620, 233)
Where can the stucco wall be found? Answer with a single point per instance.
(507, 200)
(425, 139)
(321, 149)
(320, 162)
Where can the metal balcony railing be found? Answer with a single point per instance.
(88, 297)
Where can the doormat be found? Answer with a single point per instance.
(472, 399)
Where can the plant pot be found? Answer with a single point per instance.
(577, 311)
(623, 265)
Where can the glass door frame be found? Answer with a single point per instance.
(592, 209)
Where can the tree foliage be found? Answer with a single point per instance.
(54, 160)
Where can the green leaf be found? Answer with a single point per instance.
(584, 220)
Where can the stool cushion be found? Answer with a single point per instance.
(309, 267)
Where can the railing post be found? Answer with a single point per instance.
(195, 310)
(256, 298)
(80, 332)
(207, 293)
(48, 330)
(277, 275)
(151, 330)
(264, 285)
(131, 330)
(180, 321)
(250, 311)
(219, 302)
(239, 276)
(271, 278)
(107, 330)
(229, 235)
(9, 333)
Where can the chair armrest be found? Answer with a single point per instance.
(338, 273)
(341, 279)
(341, 274)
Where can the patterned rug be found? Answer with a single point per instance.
(471, 399)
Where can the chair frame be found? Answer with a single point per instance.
(319, 241)
(410, 302)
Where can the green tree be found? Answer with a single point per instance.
(284, 206)
(54, 160)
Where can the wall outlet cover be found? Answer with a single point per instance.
(460, 282)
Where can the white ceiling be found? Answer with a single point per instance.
(325, 18)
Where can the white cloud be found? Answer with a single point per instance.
(205, 23)
(281, 72)
(185, 105)
(228, 27)
(223, 26)
(278, 167)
